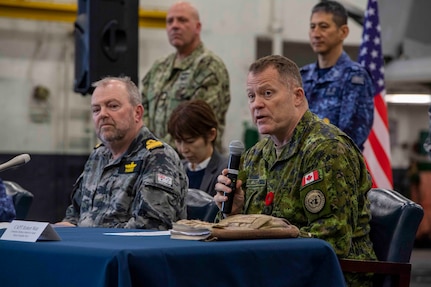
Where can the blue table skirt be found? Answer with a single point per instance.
(88, 257)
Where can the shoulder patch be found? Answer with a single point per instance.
(164, 180)
(314, 201)
(358, 80)
(311, 177)
(152, 144)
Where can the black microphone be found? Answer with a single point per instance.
(15, 162)
(236, 148)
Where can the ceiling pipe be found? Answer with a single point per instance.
(276, 27)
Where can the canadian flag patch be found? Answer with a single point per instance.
(310, 177)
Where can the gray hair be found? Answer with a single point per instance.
(134, 95)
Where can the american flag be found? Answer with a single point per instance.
(377, 147)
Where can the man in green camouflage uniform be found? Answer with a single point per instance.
(306, 170)
(131, 180)
(193, 72)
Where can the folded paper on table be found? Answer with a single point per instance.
(139, 233)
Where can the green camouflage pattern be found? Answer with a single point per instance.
(144, 188)
(319, 181)
(202, 75)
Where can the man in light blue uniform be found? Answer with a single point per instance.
(338, 90)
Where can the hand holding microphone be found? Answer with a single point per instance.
(236, 148)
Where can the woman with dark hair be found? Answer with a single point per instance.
(193, 126)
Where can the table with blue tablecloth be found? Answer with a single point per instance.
(90, 257)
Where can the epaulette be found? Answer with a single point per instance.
(356, 67)
(98, 145)
(153, 144)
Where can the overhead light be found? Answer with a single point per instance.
(405, 92)
(418, 99)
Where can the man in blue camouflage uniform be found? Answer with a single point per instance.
(338, 90)
(306, 170)
(131, 180)
(192, 72)
(7, 209)
(427, 143)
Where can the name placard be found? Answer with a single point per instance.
(29, 231)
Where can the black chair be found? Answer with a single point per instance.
(22, 198)
(200, 205)
(394, 223)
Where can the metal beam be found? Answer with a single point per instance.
(152, 18)
(49, 11)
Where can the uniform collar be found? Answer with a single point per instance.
(135, 145)
(199, 166)
(292, 147)
(187, 61)
(332, 75)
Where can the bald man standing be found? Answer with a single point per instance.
(192, 72)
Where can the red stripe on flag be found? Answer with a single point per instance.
(380, 154)
(379, 177)
(380, 106)
(377, 147)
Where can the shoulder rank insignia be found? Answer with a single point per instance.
(98, 145)
(152, 144)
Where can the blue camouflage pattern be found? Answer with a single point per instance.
(7, 209)
(427, 143)
(344, 96)
(144, 188)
